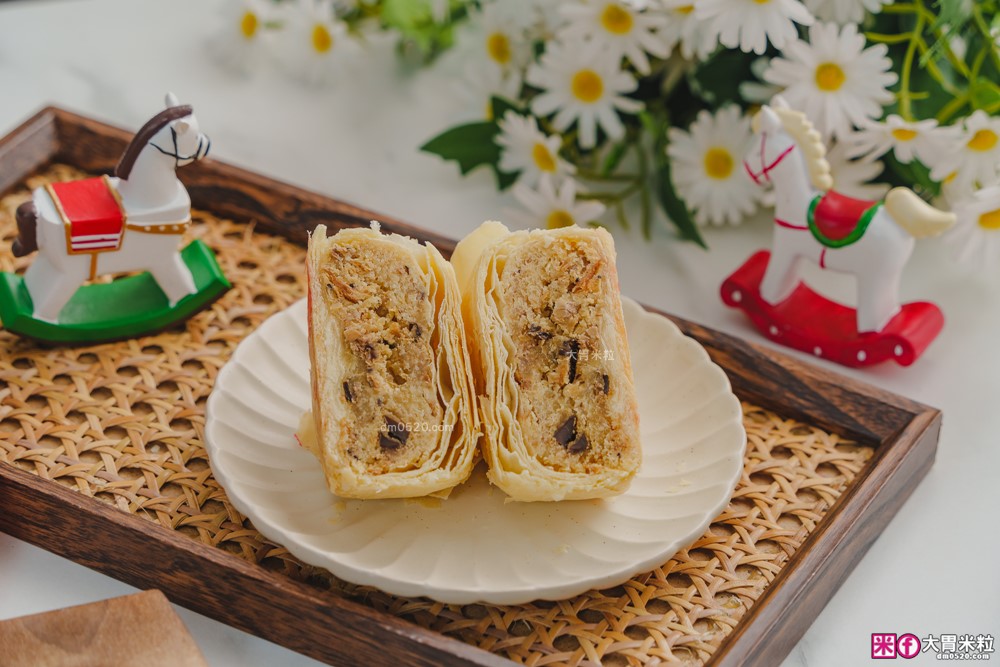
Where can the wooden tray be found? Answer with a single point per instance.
(337, 629)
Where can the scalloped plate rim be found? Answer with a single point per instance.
(505, 594)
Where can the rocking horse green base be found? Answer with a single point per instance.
(127, 307)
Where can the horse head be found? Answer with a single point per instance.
(173, 133)
(780, 130)
(772, 145)
(187, 141)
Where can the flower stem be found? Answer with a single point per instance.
(622, 218)
(934, 70)
(644, 203)
(613, 197)
(952, 108)
(591, 175)
(884, 38)
(905, 96)
(984, 30)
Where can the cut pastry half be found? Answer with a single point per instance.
(550, 356)
(393, 412)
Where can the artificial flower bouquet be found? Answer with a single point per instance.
(603, 104)
(596, 111)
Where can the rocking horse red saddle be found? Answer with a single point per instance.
(92, 212)
(837, 220)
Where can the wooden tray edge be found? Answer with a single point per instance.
(202, 578)
(905, 432)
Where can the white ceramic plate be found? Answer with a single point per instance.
(473, 547)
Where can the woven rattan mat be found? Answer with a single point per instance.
(123, 423)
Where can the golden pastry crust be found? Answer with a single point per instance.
(550, 356)
(393, 408)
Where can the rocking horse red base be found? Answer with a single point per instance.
(810, 322)
(870, 240)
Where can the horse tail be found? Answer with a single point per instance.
(27, 237)
(915, 215)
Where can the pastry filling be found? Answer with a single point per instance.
(378, 296)
(566, 354)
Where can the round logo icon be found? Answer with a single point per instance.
(907, 646)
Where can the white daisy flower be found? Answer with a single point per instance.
(845, 11)
(853, 177)
(525, 148)
(706, 166)
(520, 15)
(907, 140)
(972, 157)
(834, 78)
(617, 27)
(975, 238)
(245, 33)
(546, 16)
(552, 208)
(751, 24)
(686, 30)
(580, 85)
(480, 82)
(314, 42)
(499, 34)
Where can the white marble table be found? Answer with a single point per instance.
(929, 573)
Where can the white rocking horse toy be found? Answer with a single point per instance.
(134, 221)
(871, 240)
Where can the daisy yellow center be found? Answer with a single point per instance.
(762, 2)
(685, 10)
(587, 86)
(718, 163)
(903, 134)
(248, 25)
(498, 48)
(559, 218)
(990, 220)
(616, 20)
(830, 77)
(983, 140)
(322, 40)
(543, 158)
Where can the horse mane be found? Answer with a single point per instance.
(145, 135)
(803, 133)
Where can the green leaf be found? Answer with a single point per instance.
(984, 93)
(472, 145)
(421, 38)
(499, 107)
(652, 126)
(614, 157)
(405, 15)
(675, 208)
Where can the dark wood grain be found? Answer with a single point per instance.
(775, 380)
(28, 147)
(904, 433)
(216, 583)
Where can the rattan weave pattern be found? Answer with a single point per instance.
(122, 422)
